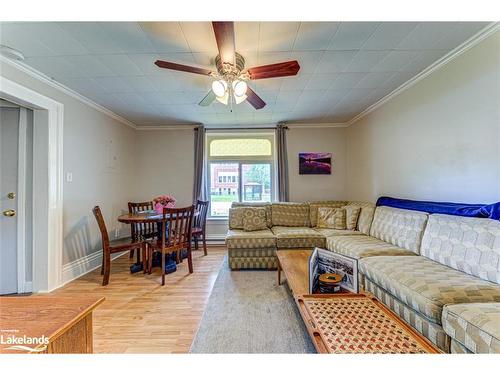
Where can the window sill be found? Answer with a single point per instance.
(217, 219)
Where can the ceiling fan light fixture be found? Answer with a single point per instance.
(224, 99)
(219, 88)
(240, 99)
(239, 89)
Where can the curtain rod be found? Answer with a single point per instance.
(231, 129)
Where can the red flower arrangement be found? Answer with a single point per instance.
(163, 201)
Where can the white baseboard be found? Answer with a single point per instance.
(216, 239)
(73, 270)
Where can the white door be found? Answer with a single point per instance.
(9, 140)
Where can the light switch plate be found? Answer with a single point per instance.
(69, 177)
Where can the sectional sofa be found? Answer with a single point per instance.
(440, 273)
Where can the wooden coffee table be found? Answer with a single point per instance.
(347, 322)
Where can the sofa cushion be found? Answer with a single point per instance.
(260, 239)
(254, 218)
(425, 285)
(468, 244)
(290, 214)
(298, 237)
(363, 246)
(474, 325)
(403, 228)
(236, 217)
(313, 209)
(337, 232)
(351, 216)
(331, 218)
(365, 216)
(266, 205)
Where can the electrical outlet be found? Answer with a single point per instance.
(117, 232)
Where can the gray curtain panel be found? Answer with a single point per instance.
(199, 188)
(283, 193)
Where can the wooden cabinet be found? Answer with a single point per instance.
(66, 322)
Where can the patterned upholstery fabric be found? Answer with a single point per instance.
(258, 253)
(267, 206)
(403, 228)
(432, 331)
(337, 232)
(332, 218)
(363, 246)
(236, 217)
(426, 286)
(240, 239)
(313, 209)
(253, 263)
(298, 237)
(290, 214)
(474, 325)
(365, 216)
(352, 215)
(457, 348)
(254, 218)
(470, 245)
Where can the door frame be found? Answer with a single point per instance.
(48, 122)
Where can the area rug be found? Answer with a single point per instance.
(248, 312)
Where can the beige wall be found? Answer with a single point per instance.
(317, 139)
(438, 140)
(88, 154)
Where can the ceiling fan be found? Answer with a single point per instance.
(230, 80)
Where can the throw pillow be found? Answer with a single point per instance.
(236, 217)
(331, 218)
(352, 215)
(254, 218)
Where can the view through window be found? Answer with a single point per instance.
(240, 170)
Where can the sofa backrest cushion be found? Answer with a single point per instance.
(313, 209)
(467, 244)
(236, 217)
(365, 216)
(267, 206)
(403, 228)
(290, 214)
(332, 218)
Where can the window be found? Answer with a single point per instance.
(240, 169)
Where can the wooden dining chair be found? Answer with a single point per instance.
(107, 250)
(177, 237)
(141, 231)
(200, 224)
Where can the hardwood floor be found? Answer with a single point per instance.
(141, 316)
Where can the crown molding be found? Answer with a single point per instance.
(318, 125)
(167, 127)
(453, 54)
(33, 73)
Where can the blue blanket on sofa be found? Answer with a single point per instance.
(491, 211)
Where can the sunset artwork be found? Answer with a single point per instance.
(315, 163)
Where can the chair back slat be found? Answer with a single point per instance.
(102, 227)
(141, 230)
(200, 219)
(178, 222)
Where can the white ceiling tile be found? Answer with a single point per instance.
(335, 95)
(114, 84)
(269, 96)
(425, 35)
(120, 65)
(92, 36)
(357, 94)
(205, 59)
(17, 36)
(55, 38)
(247, 36)
(128, 37)
(310, 96)
(335, 61)
(314, 36)
(165, 82)
(277, 36)
(423, 60)
(352, 35)
(321, 81)
(53, 66)
(297, 82)
(374, 80)
(82, 85)
(308, 61)
(141, 83)
(200, 36)
(268, 83)
(363, 61)
(347, 80)
(288, 98)
(388, 35)
(89, 66)
(251, 58)
(267, 58)
(395, 61)
(145, 63)
(459, 33)
(165, 36)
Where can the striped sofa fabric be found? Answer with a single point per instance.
(474, 327)
(363, 246)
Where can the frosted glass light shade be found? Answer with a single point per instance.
(240, 99)
(219, 87)
(224, 99)
(239, 88)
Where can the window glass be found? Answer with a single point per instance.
(240, 147)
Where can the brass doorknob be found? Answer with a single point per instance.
(9, 213)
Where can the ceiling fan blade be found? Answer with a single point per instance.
(182, 68)
(224, 35)
(254, 99)
(208, 99)
(288, 68)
